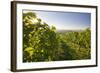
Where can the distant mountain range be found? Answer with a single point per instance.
(68, 31)
(63, 31)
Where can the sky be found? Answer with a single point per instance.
(65, 20)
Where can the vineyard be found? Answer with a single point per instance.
(43, 43)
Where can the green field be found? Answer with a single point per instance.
(43, 43)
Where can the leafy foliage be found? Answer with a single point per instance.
(43, 43)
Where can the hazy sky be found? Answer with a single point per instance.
(65, 20)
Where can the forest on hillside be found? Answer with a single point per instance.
(43, 43)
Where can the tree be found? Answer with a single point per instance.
(40, 40)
